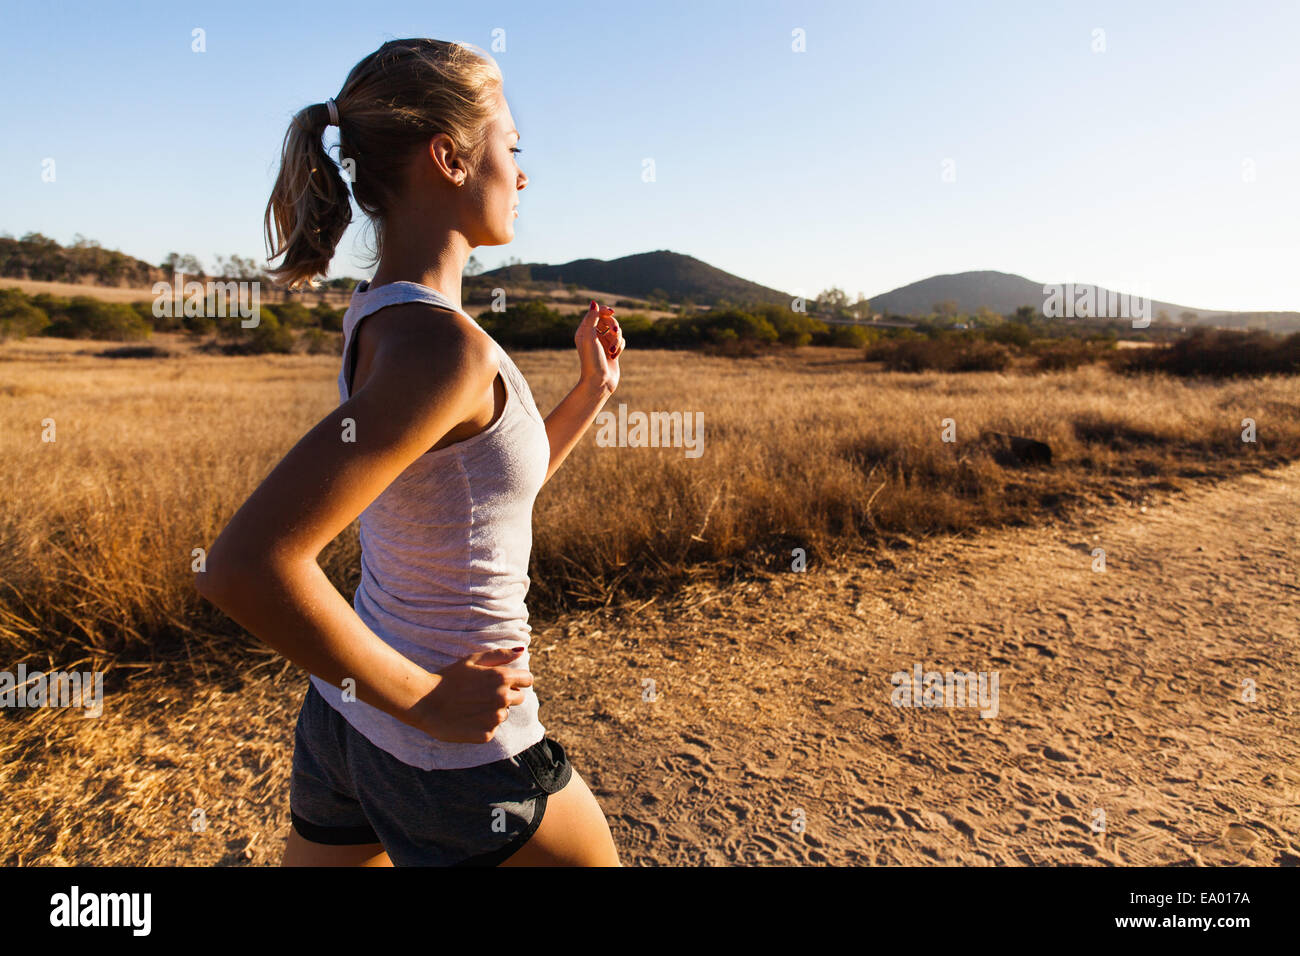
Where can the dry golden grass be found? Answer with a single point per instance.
(810, 450)
(813, 450)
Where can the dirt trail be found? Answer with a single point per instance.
(1119, 692)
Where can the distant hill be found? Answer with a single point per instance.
(38, 257)
(1004, 293)
(646, 275)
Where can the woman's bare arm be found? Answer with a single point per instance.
(598, 355)
(426, 377)
(571, 418)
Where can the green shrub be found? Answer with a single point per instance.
(904, 355)
(530, 325)
(270, 336)
(231, 328)
(636, 325)
(719, 327)
(267, 336)
(942, 353)
(83, 317)
(18, 317)
(1009, 333)
(203, 324)
(977, 356)
(852, 336)
(294, 315)
(792, 328)
(320, 342)
(165, 323)
(327, 318)
(1062, 356)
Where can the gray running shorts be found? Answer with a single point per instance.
(345, 790)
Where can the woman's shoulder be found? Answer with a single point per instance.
(420, 343)
(424, 323)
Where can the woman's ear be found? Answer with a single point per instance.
(447, 160)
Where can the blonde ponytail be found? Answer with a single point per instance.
(392, 103)
(309, 207)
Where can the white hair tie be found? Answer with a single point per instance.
(334, 112)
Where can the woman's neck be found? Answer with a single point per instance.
(436, 265)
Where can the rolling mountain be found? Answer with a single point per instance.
(678, 277)
(1000, 291)
(1004, 293)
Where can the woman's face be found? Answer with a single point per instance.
(495, 181)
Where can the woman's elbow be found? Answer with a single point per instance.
(220, 574)
(232, 574)
(212, 581)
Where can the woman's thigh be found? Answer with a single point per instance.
(300, 851)
(573, 832)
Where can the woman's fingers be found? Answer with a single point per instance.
(607, 329)
(610, 337)
(616, 334)
(595, 315)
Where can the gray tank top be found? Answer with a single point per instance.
(444, 554)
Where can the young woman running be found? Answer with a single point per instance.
(418, 742)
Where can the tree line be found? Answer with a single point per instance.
(931, 345)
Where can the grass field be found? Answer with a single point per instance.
(812, 449)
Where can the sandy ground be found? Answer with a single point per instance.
(771, 738)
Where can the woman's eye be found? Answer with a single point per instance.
(515, 149)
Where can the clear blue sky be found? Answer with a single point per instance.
(1167, 165)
